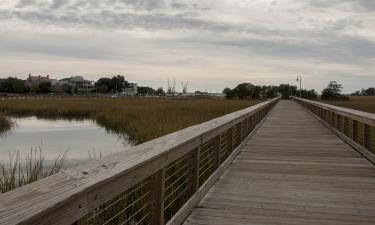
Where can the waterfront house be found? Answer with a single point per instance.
(78, 84)
(33, 81)
(130, 90)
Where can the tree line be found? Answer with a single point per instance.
(250, 91)
(13, 85)
(104, 85)
(333, 91)
(365, 92)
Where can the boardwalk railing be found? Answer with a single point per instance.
(355, 127)
(158, 182)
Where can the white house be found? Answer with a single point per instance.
(78, 84)
(130, 90)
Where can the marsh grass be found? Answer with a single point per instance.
(18, 172)
(141, 119)
(362, 103)
(5, 124)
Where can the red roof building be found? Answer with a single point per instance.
(36, 80)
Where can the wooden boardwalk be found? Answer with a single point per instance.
(293, 171)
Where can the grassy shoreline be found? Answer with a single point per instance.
(5, 124)
(20, 171)
(141, 119)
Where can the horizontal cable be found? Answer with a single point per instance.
(176, 163)
(176, 172)
(118, 200)
(171, 203)
(134, 214)
(141, 220)
(181, 185)
(207, 169)
(207, 157)
(142, 197)
(176, 181)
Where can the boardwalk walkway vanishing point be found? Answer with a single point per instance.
(293, 171)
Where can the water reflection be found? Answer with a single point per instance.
(54, 137)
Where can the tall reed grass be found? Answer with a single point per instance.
(5, 124)
(18, 172)
(141, 119)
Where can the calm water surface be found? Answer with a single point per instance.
(54, 137)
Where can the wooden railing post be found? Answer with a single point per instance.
(230, 141)
(240, 131)
(217, 151)
(248, 126)
(157, 189)
(355, 131)
(339, 122)
(366, 137)
(195, 169)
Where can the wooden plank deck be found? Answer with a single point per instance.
(293, 171)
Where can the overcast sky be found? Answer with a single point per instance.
(211, 44)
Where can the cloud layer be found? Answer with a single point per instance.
(259, 41)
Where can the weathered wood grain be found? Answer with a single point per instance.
(293, 171)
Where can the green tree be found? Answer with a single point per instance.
(160, 91)
(145, 91)
(309, 94)
(369, 92)
(119, 83)
(287, 90)
(255, 92)
(45, 87)
(333, 91)
(13, 85)
(104, 82)
(228, 93)
(115, 84)
(269, 91)
(103, 88)
(244, 90)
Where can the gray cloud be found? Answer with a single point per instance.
(366, 5)
(24, 3)
(334, 32)
(117, 20)
(92, 4)
(143, 4)
(326, 44)
(56, 4)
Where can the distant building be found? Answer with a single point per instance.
(32, 81)
(207, 94)
(78, 84)
(131, 89)
(203, 93)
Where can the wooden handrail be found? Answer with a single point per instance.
(70, 196)
(363, 117)
(355, 127)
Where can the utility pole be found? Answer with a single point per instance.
(299, 78)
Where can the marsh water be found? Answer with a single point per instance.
(77, 138)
